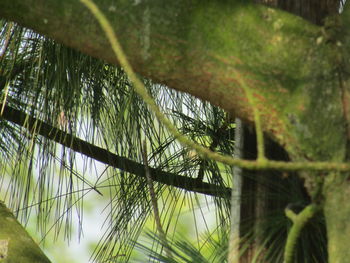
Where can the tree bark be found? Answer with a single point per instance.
(16, 245)
(337, 213)
(336, 187)
(198, 48)
(205, 48)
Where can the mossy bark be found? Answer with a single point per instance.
(337, 213)
(199, 47)
(291, 66)
(336, 189)
(16, 245)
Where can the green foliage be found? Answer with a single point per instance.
(95, 101)
(211, 250)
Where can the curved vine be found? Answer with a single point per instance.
(299, 221)
(260, 164)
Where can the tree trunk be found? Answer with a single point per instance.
(337, 213)
(336, 187)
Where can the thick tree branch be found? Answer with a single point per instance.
(102, 155)
(195, 47)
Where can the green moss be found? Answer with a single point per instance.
(298, 90)
(337, 213)
(15, 243)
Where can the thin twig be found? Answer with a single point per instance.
(155, 208)
(299, 221)
(256, 115)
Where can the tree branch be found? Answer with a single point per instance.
(193, 47)
(102, 155)
(200, 47)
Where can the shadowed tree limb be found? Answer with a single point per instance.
(102, 155)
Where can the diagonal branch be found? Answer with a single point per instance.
(102, 155)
